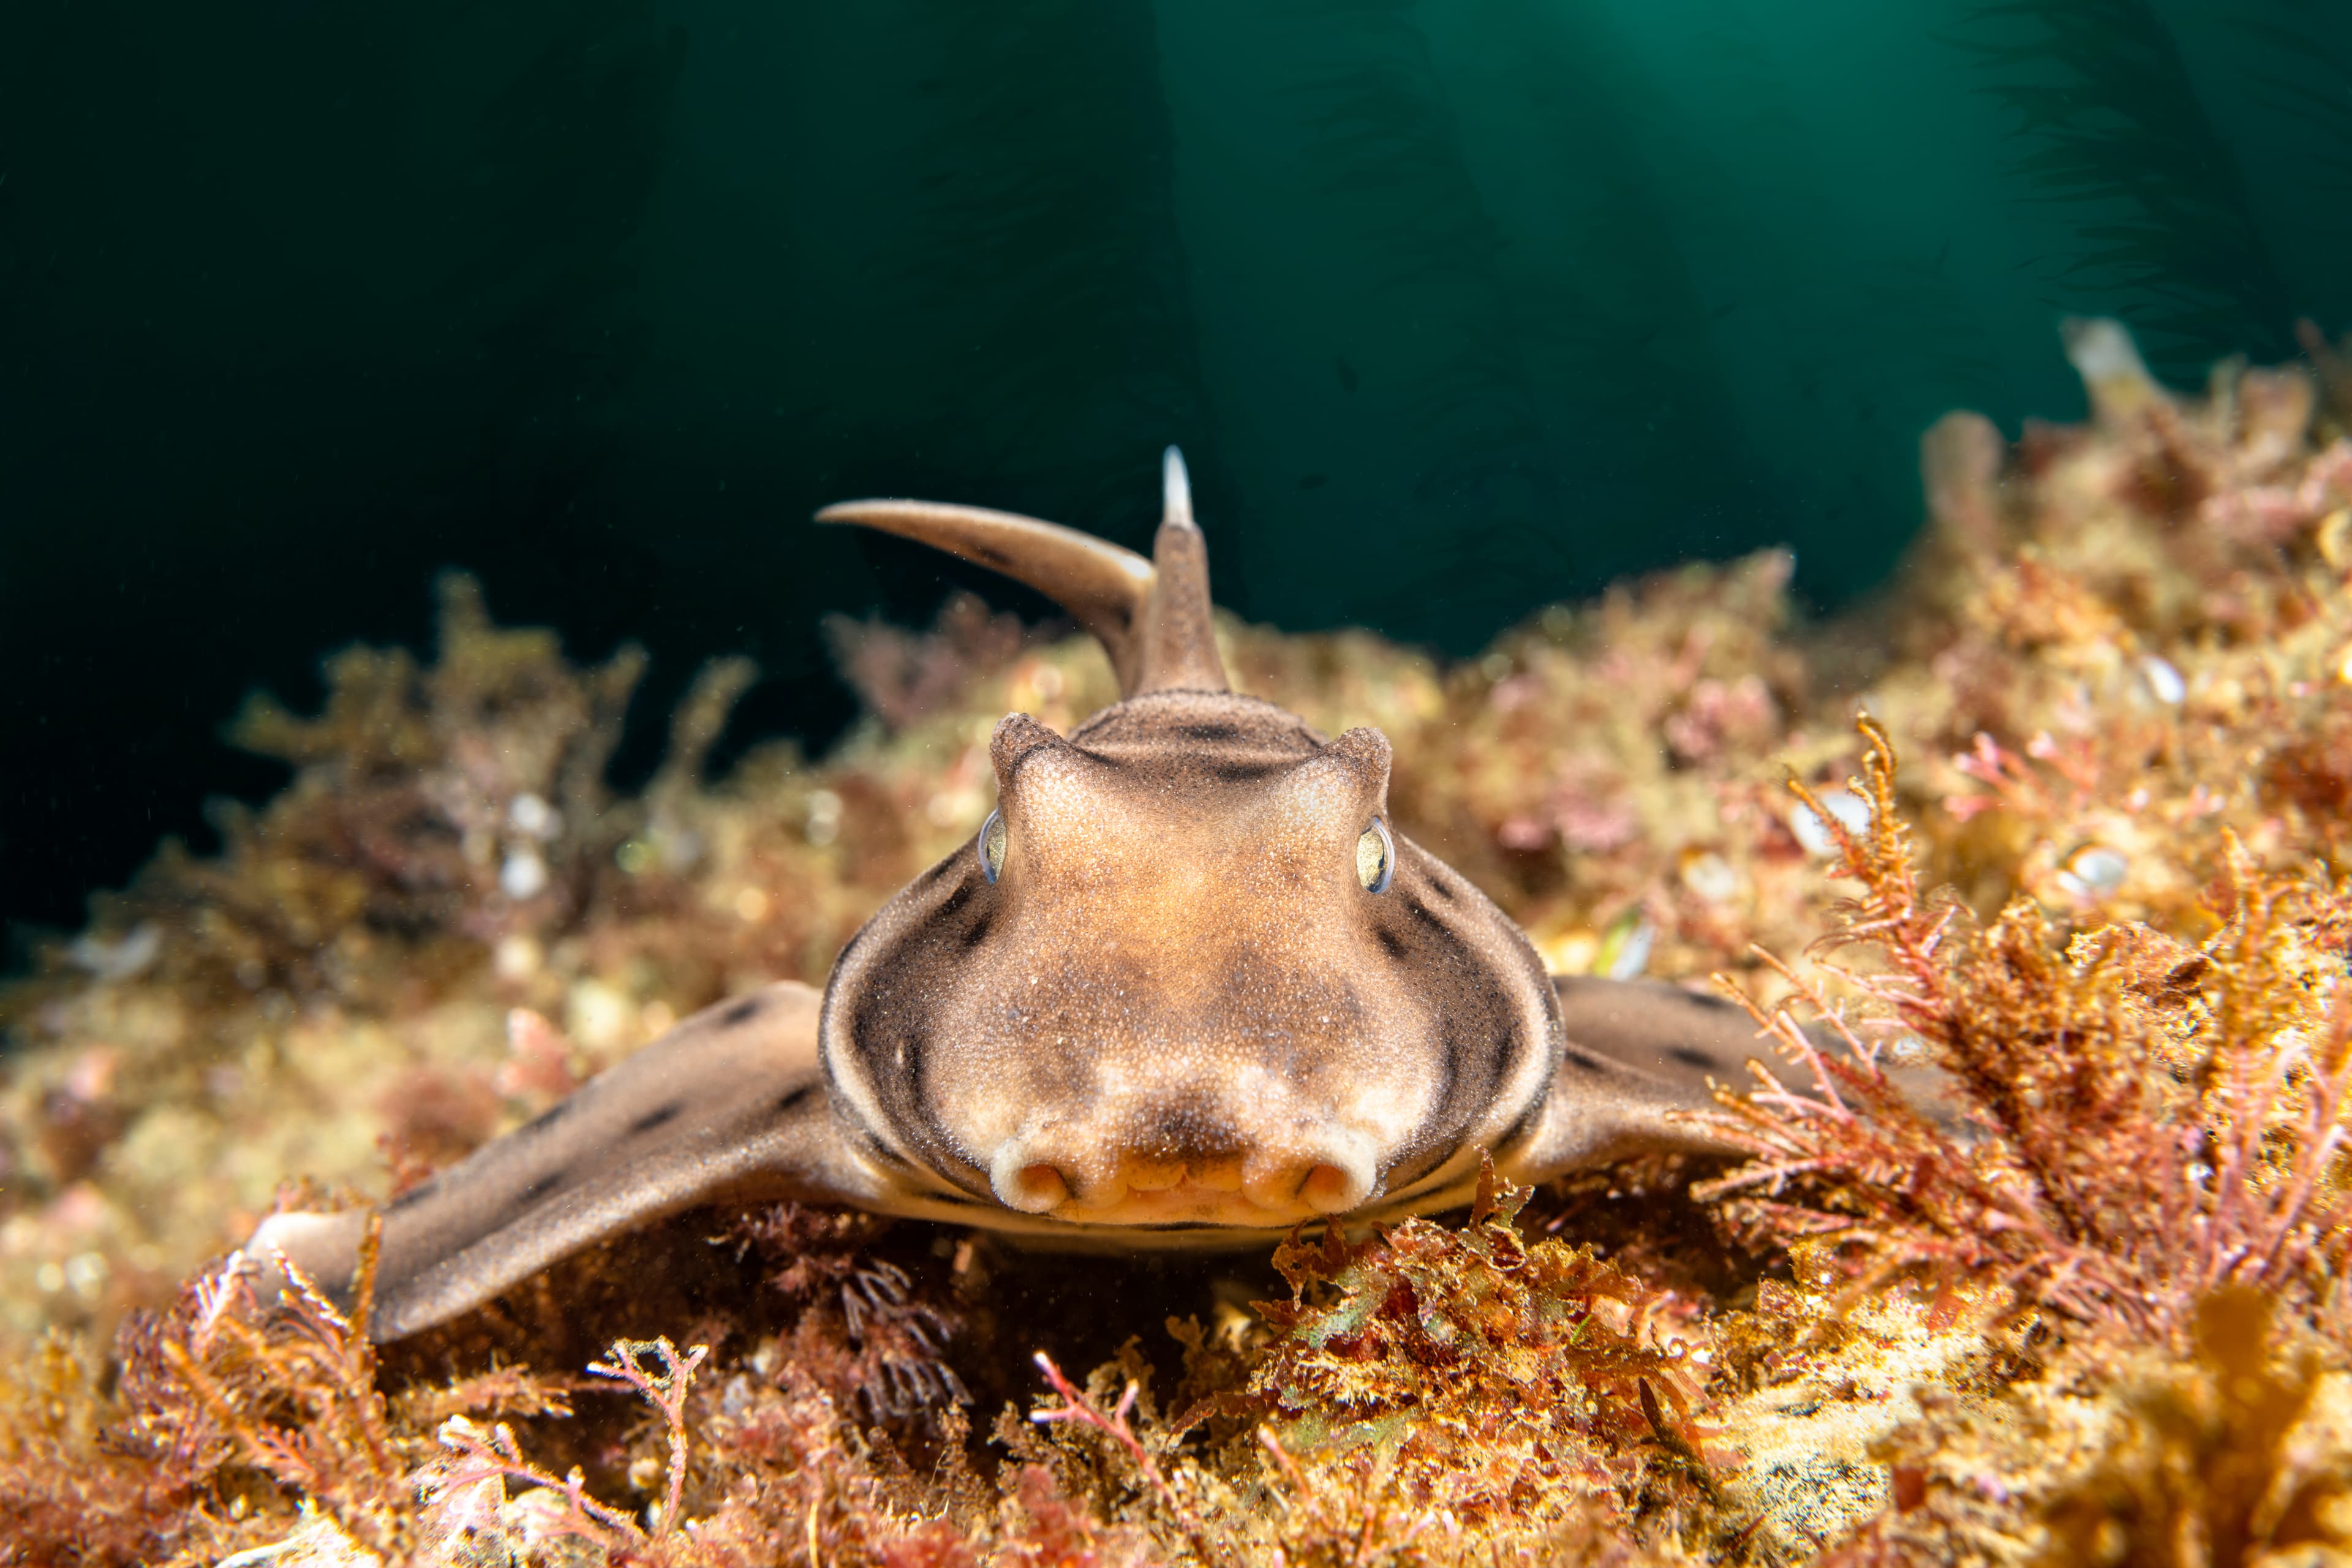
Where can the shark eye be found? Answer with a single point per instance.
(992, 843)
(1375, 858)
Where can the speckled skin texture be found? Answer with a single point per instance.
(1178, 1005)
(1173, 1010)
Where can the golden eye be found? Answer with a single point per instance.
(1375, 858)
(992, 845)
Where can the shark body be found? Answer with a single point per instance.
(1186, 987)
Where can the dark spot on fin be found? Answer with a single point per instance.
(410, 1199)
(795, 1099)
(743, 1012)
(1208, 731)
(659, 1117)
(873, 1149)
(1238, 772)
(1519, 1129)
(540, 1188)
(546, 1119)
(1690, 1057)
(1586, 1062)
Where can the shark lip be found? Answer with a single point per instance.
(1187, 1202)
(1271, 1188)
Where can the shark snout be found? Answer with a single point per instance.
(1226, 1180)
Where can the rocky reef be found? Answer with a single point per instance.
(2034, 870)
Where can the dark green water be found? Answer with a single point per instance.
(1457, 307)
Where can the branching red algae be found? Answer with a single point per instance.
(2146, 1120)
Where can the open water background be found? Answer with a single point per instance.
(1457, 307)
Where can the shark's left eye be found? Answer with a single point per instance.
(992, 845)
(1375, 858)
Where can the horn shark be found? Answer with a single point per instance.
(1187, 986)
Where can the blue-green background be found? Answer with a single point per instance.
(1457, 306)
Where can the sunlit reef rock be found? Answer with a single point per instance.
(2088, 1310)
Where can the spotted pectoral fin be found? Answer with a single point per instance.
(1639, 1057)
(1678, 1038)
(729, 1105)
(1599, 1110)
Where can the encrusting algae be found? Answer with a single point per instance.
(2033, 1255)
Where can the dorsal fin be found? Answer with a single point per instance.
(1150, 616)
(1180, 638)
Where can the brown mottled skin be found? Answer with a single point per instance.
(1187, 1009)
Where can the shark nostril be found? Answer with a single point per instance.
(1329, 1180)
(1033, 1186)
(1330, 1189)
(1039, 1188)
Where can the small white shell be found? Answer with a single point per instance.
(2164, 682)
(1849, 808)
(523, 876)
(2094, 871)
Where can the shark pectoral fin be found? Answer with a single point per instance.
(792, 1152)
(1682, 1043)
(730, 1104)
(323, 1248)
(1679, 1038)
(1601, 1110)
(1639, 1056)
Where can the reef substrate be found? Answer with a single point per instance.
(2057, 826)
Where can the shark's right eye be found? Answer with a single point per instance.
(992, 845)
(1375, 858)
